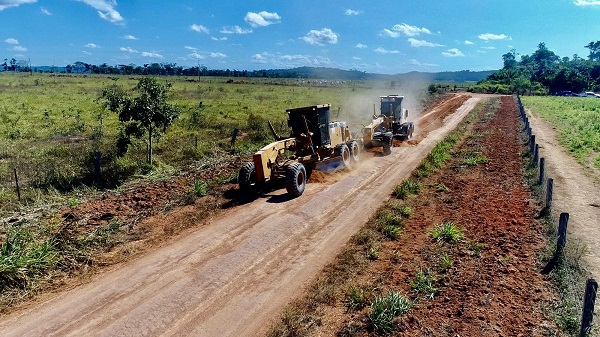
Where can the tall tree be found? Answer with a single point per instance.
(148, 112)
(594, 48)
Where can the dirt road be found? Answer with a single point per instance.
(232, 276)
(575, 192)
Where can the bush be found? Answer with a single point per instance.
(385, 308)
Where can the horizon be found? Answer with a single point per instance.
(382, 38)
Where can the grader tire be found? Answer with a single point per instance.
(247, 180)
(354, 151)
(295, 179)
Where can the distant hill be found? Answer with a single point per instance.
(300, 72)
(339, 74)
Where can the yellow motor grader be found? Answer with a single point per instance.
(389, 125)
(314, 141)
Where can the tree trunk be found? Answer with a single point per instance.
(150, 146)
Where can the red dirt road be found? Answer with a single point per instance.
(233, 275)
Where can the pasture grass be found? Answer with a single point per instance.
(577, 120)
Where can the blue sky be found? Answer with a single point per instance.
(388, 36)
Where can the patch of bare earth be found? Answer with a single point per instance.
(494, 287)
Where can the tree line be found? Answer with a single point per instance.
(151, 69)
(544, 72)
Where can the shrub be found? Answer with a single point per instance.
(424, 283)
(447, 232)
(385, 308)
(407, 188)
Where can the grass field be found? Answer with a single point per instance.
(577, 120)
(51, 125)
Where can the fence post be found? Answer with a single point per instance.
(532, 143)
(542, 170)
(97, 157)
(17, 183)
(234, 136)
(536, 155)
(549, 193)
(561, 241)
(591, 287)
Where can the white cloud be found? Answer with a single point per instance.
(489, 36)
(361, 46)
(261, 19)
(291, 61)
(321, 37)
(422, 43)
(488, 48)
(190, 48)
(18, 48)
(467, 42)
(586, 2)
(385, 51)
(454, 52)
(235, 30)
(92, 46)
(4, 4)
(197, 56)
(86, 52)
(419, 64)
(128, 50)
(409, 30)
(217, 55)
(10, 40)
(389, 33)
(352, 12)
(224, 38)
(356, 58)
(106, 9)
(258, 58)
(152, 54)
(130, 37)
(199, 29)
(45, 11)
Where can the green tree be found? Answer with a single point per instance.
(594, 48)
(147, 113)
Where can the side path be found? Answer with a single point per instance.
(575, 192)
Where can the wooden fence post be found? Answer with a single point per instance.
(532, 143)
(97, 158)
(591, 287)
(549, 189)
(536, 155)
(561, 241)
(17, 183)
(542, 170)
(234, 136)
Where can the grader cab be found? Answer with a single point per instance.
(313, 141)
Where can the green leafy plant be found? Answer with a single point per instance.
(72, 202)
(407, 188)
(424, 283)
(355, 299)
(391, 232)
(373, 252)
(444, 263)
(447, 232)
(387, 218)
(200, 188)
(404, 210)
(385, 308)
(475, 160)
(476, 247)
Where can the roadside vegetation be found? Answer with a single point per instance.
(577, 121)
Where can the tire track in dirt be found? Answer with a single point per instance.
(234, 274)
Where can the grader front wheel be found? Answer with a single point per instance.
(295, 179)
